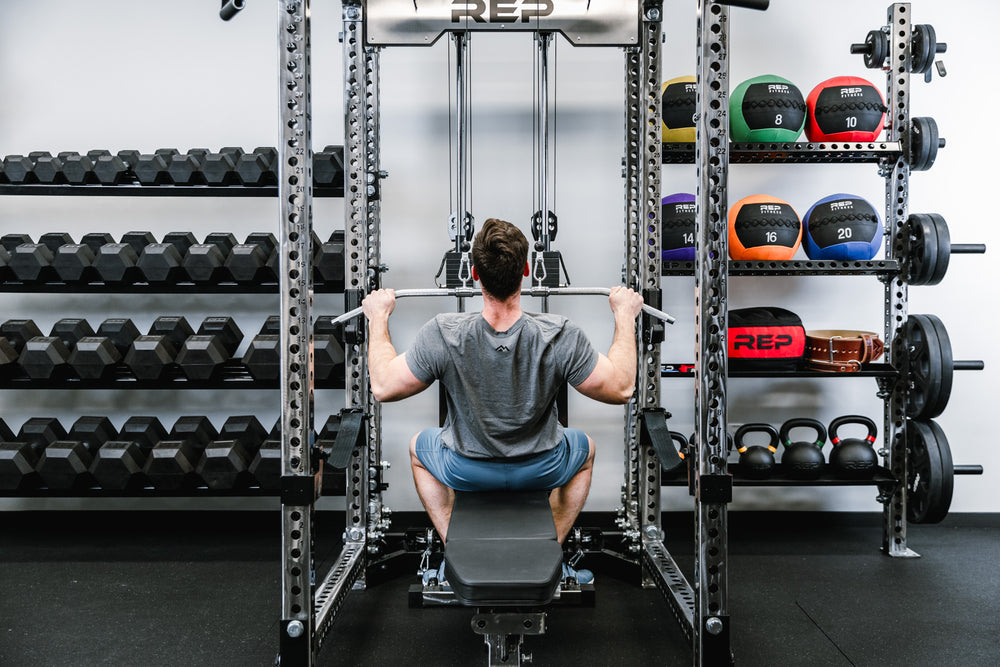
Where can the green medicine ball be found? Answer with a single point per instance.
(766, 108)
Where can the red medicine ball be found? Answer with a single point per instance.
(845, 108)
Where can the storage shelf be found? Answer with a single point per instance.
(333, 485)
(797, 152)
(881, 477)
(138, 190)
(794, 267)
(867, 371)
(233, 375)
(181, 287)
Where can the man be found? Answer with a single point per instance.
(501, 370)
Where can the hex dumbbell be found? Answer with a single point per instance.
(226, 462)
(171, 463)
(118, 464)
(203, 355)
(65, 464)
(151, 355)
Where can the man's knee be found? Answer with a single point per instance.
(592, 451)
(414, 459)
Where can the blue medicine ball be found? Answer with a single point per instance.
(842, 226)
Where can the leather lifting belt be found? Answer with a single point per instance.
(841, 350)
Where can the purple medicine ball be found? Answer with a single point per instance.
(677, 227)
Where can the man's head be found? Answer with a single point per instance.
(500, 258)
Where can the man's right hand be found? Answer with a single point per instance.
(379, 304)
(625, 302)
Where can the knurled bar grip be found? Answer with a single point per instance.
(468, 292)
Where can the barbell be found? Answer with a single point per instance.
(544, 292)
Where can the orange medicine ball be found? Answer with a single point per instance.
(763, 227)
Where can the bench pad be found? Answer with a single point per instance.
(502, 549)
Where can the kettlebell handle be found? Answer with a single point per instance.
(852, 419)
(784, 434)
(756, 427)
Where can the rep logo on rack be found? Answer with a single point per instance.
(500, 11)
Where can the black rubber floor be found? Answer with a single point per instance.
(203, 588)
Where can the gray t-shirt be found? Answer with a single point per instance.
(501, 386)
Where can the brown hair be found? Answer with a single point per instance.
(499, 253)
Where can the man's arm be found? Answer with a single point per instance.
(613, 378)
(391, 377)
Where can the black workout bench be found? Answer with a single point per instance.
(502, 557)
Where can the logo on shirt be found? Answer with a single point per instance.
(503, 348)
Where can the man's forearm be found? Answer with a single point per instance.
(380, 349)
(622, 352)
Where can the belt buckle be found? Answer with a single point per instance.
(830, 341)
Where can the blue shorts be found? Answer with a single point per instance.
(548, 470)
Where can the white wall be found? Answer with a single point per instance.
(124, 74)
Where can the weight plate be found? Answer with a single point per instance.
(943, 249)
(936, 407)
(930, 477)
(923, 48)
(877, 49)
(923, 143)
(923, 249)
(917, 351)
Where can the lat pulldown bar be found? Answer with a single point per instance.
(543, 292)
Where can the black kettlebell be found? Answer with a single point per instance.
(853, 457)
(802, 460)
(757, 461)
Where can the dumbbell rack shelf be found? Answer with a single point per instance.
(797, 152)
(794, 267)
(180, 287)
(334, 484)
(137, 190)
(868, 371)
(234, 375)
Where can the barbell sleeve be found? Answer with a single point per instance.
(469, 292)
(968, 470)
(968, 248)
(968, 365)
(231, 8)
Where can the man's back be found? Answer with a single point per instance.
(501, 386)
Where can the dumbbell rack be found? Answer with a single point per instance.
(233, 375)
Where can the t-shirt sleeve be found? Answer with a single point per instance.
(425, 357)
(580, 356)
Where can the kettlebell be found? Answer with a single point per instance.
(802, 460)
(853, 457)
(757, 461)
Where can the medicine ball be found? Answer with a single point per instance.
(763, 227)
(842, 227)
(677, 227)
(677, 99)
(766, 108)
(845, 108)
